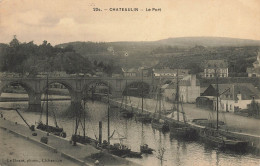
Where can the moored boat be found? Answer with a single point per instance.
(213, 137)
(211, 134)
(126, 113)
(157, 121)
(177, 127)
(143, 117)
(160, 124)
(145, 149)
(46, 127)
(51, 129)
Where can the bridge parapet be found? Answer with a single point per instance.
(35, 86)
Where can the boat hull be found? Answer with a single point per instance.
(145, 149)
(126, 114)
(160, 126)
(183, 130)
(82, 140)
(212, 137)
(143, 118)
(54, 130)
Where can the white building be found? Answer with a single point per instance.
(189, 89)
(233, 96)
(170, 72)
(213, 67)
(254, 71)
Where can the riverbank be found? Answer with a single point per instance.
(243, 128)
(80, 154)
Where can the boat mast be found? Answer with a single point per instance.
(47, 107)
(126, 81)
(177, 95)
(84, 125)
(217, 99)
(108, 120)
(142, 93)
(159, 98)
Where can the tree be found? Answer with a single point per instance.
(254, 108)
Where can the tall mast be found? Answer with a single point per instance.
(108, 120)
(177, 94)
(217, 99)
(142, 93)
(126, 81)
(84, 125)
(159, 98)
(47, 98)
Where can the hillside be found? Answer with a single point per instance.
(209, 42)
(188, 52)
(153, 52)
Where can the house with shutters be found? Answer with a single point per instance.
(213, 67)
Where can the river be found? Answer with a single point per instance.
(177, 152)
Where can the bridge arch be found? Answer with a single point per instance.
(64, 83)
(98, 87)
(24, 85)
(32, 98)
(135, 88)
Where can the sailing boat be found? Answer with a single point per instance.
(46, 127)
(124, 111)
(117, 149)
(143, 116)
(83, 139)
(157, 122)
(181, 128)
(217, 137)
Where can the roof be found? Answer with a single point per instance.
(212, 64)
(165, 86)
(180, 71)
(130, 70)
(186, 81)
(247, 90)
(253, 70)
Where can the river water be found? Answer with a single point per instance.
(177, 152)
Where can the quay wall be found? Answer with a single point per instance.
(48, 147)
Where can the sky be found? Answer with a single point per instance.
(61, 21)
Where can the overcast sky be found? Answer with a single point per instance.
(59, 21)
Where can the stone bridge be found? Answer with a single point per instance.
(76, 86)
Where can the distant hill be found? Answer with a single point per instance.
(121, 47)
(208, 41)
(148, 53)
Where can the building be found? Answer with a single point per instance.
(255, 70)
(170, 72)
(216, 66)
(136, 72)
(232, 97)
(189, 89)
(131, 72)
(169, 91)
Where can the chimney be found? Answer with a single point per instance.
(193, 80)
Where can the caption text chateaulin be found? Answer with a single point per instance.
(127, 9)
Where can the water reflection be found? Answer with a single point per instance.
(177, 151)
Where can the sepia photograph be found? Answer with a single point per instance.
(129, 83)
